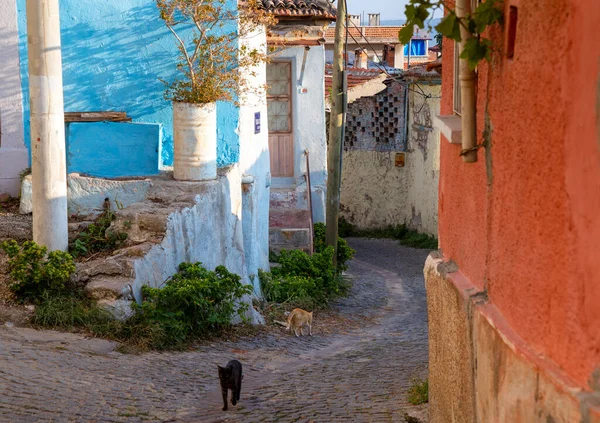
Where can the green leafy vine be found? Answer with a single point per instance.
(476, 48)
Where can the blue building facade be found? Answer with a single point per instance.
(115, 54)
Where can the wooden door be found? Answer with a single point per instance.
(279, 100)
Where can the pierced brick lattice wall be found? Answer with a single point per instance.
(377, 123)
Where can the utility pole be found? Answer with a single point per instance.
(48, 160)
(336, 130)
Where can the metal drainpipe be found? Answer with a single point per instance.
(468, 91)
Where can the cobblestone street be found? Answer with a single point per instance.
(359, 374)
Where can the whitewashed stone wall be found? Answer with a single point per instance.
(13, 154)
(376, 193)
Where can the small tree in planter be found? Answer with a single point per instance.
(215, 65)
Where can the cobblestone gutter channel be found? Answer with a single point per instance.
(357, 370)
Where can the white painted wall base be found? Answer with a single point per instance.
(174, 222)
(210, 232)
(14, 157)
(12, 162)
(255, 166)
(85, 195)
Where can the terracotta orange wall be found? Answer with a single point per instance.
(530, 236)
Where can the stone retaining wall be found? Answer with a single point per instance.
(480, 370)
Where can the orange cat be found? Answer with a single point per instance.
(299, 318)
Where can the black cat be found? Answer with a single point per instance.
(231, 378)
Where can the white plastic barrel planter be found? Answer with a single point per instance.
(195, 141)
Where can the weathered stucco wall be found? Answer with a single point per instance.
(85, 196)
(13, 154)
(373, 189)
(375, 192)
(423, 160)
(481, 370)
(210, 231)
(368, 88)
(255, 167)
(522, 222)
(114, 53)
(309, 122)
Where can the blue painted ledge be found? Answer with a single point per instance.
(113, 149)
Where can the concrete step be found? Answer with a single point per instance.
(289, 239)
(289, 218)
(283, 198)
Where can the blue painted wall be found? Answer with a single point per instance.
(118, 149)
(114, 52)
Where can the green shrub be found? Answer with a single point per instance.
(297, 290)
(418, 393)
(303, 279)
(344, 253)
(36, 273)
(97, 237)
(195, 302)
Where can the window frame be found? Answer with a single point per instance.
(289, 96)
(407, 48)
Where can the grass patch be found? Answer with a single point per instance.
(74, 312)
(418, 393)
(405, 236)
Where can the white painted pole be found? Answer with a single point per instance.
(48, 160)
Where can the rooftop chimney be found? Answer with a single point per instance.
(374, 19)
(361, 60)
(354, 20)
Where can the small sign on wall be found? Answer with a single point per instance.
(399, 161)
(257, 123)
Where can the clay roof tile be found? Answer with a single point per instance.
(301, 8)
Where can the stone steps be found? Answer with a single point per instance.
(289, 220)
(289, 239)
(283, 198)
